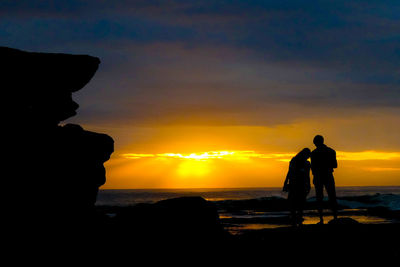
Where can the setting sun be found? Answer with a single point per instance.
(193, 168)
(239, 168)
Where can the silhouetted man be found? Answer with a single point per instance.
(323, 161)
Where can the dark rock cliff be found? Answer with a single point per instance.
(51, 172)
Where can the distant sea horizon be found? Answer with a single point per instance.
(127, 197)
(243, 187)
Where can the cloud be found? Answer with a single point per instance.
(210, 155)
(359, 39)
(171, 83)
(219, 62)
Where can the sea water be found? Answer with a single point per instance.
(356, 199)
(388, 196)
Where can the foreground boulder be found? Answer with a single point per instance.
(343, 221)
(184, 218)
(53, 170)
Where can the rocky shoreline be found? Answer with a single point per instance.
(273, 210)
(189, 221)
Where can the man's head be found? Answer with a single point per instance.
(318, 140)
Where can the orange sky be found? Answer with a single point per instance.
(246, 156)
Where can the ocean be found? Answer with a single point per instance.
(242, 209)
(125, 197)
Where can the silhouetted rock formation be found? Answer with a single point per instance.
(184, 218)
(53, 171)
(343, 221)
(384, 212)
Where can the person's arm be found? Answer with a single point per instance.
(334, 161)
(308, 184)
(288, 175)
(286, 185)
(312, 165)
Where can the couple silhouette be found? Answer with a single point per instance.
(297, 182)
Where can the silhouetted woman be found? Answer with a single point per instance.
(297, 184)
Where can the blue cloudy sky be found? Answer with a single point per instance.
(226, 56)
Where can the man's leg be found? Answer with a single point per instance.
(319, 194)
(330, 189)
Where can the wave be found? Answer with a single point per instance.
(389, 201)
(275, 203)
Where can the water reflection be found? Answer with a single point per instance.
(238, 223)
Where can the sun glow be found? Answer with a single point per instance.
(367, 155)
(193, 168)
(201, 156)
(250, 154)
(239, 168)
(227, 155)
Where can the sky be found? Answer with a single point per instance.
(224, 93)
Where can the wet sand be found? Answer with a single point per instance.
(236, 224)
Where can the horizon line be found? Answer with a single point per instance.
(245, 187)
